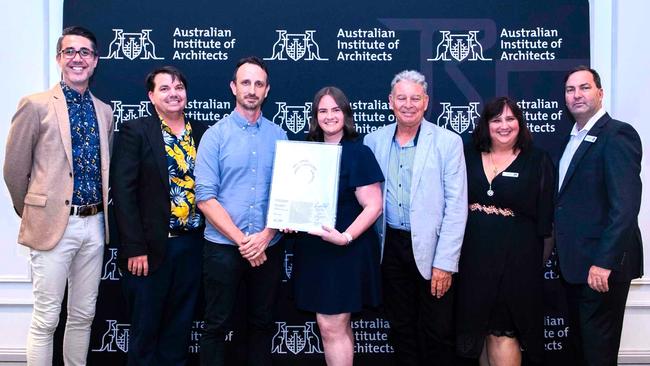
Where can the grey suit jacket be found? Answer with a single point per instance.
(38, 165)
(438, 195)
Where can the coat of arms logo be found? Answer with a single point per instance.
(132, 45)
(458, 118)
(296, 339)
(294, 117)
(126, 112)
(459, 47)
(111, 271)
(296, 46)
(116, 338)
(288, 266)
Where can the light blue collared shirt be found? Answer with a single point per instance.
(234, 165)
(398, 184)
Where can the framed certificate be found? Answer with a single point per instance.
(304, 188)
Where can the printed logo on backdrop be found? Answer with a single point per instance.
(132, 45)
(530, 44)
(458, 118)
(288, 266)
(370, 44)
(208, 110)
(296, 46)
(296, 339)
(115, 338)
(293, 117)
(371, 336)
(459, 47)
(111, 271)
(126, 112)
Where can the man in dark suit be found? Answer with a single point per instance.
(596, 219)
(159, 226)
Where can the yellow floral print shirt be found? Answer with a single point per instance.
(181, 157)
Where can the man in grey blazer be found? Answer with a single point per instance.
(56, 170)
(425, 211)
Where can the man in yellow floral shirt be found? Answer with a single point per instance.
(160, 229)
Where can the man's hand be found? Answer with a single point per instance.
(440, 282)
(138, 266)
(251, 246)
(258, 261)
(598, 277)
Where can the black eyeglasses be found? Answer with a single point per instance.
(70, 53)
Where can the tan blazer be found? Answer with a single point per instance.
(38, 165)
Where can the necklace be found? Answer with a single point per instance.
(496, 171)
(490, 192)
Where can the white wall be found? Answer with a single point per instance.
(30, 28)
(25, 27)
(630, 93)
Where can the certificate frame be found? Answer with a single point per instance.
(304, 185)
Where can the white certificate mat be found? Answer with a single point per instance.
(304, 189)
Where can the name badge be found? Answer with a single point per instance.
(510, 174)
(590, 138)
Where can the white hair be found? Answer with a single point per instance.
(409, 75)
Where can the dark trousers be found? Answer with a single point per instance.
(162, 304)
(421, 326)
(596, 321)
(224, 271)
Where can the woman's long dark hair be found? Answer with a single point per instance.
(481, 135)
(315, 132)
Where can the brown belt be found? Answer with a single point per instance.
(87, 210)
(491, 210)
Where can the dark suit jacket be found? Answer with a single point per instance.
(140, 189)
(597, 206)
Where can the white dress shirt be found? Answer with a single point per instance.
(576, 139)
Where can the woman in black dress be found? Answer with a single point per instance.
(336, 271)
(510, 200)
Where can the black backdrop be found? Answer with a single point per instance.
(470, 51)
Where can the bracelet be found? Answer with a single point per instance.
(348, 237)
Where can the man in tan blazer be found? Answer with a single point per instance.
(56, 169)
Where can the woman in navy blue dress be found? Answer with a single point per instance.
(336, 271)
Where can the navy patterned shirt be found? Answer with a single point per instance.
(86, 161)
